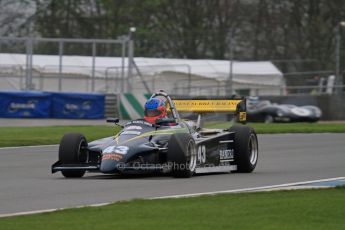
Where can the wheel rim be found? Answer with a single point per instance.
(82, 154)
(192, 153)
(253, 149)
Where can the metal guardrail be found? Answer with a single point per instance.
(221, 89)
(29, 47)
(113, 81)
(116, 74)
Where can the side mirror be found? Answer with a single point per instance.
(162, 121)
(198, 123)
(113, 120)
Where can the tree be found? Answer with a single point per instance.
(263, 29)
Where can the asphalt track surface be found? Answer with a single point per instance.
(26, 183)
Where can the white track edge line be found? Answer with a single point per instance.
(49, 210)
(247, 189)
(176, 196)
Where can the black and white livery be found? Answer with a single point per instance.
(171, 145)
(265, 111)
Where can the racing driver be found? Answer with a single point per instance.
(155, 109)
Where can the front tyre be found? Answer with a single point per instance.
(182, 155)
(73, 150)
(246, 148)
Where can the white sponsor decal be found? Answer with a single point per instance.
(202, 154)
(28, 105)
(116, 149)
(226, 154)
(134, 127)
(72, 107)
(131, 132)
(141, 122)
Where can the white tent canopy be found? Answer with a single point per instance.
(247, 74)
(262, 72)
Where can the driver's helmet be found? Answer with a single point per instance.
(154, 109)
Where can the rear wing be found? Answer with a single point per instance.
(235, 106)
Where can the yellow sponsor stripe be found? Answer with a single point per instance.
(203, 106)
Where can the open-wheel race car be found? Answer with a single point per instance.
(170, 145)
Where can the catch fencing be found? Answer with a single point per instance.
(31, 77)
(124, 75)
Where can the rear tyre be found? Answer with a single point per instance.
(182, 155)
(73, 150)
(246, 148)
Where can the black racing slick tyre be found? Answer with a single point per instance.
(73, 150)
(246, 148)
(182, 155)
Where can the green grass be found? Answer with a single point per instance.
(289, 127)
(303, 209)
(22, 136)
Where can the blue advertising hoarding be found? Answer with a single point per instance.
(26, 104)
(77, 105)
(33, 104)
